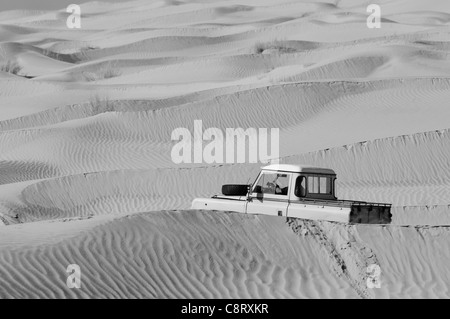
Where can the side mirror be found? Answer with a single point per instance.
(257, 189)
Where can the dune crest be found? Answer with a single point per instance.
(86, 174)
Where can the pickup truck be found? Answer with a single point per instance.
(295, 191)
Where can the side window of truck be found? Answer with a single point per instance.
(273, 183)
(319, 185)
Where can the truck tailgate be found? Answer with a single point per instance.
(370, 213)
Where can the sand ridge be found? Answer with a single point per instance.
(86, 174)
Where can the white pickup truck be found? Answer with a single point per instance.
(295, 191)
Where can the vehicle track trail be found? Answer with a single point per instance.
(349, 256)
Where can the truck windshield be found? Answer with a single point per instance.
(272, 183)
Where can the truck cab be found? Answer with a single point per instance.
(278, 184)
(297, 191)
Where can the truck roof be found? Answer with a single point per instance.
(298, 169)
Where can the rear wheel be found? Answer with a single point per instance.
(235, 189)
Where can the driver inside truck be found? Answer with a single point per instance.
(279, 184)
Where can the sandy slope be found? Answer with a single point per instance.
(85, 126)
(413, 178)
(218, 255)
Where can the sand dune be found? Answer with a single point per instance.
(298, 117)
(86, 119)
(413, 178)
(193, 254)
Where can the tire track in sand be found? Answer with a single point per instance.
(349, 256)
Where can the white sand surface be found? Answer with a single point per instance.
(86, 175)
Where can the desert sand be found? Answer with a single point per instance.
(86, 175)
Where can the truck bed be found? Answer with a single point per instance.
(351, 211)
(360, 212)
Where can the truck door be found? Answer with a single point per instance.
(270, 194)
